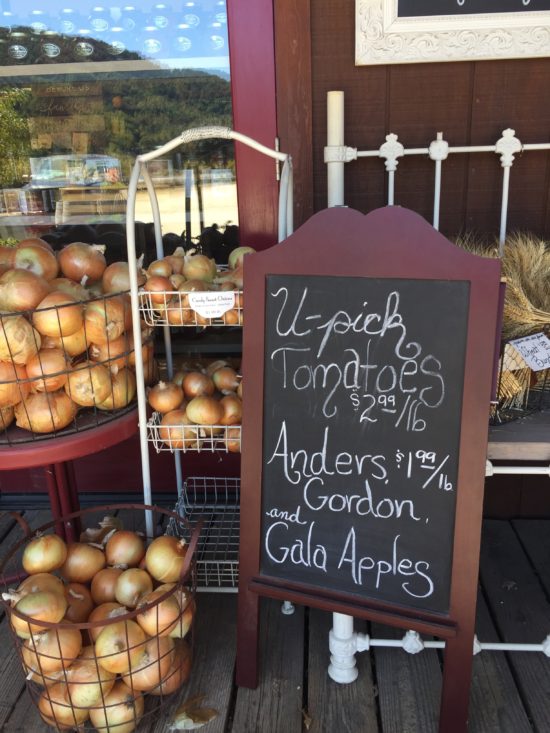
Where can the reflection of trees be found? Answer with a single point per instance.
(14, 137)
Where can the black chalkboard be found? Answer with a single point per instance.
(363, 384)
(412, 8)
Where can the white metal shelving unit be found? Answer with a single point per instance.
(216, 500)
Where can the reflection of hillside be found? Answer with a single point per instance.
(20, 45)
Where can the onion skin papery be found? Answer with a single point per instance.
(53, 650)
(58, 314)
(37, 259)
(122, 392)
(7, 416)
(119, 646)
(113, 353)
(152, 666)
(19, 341)
(195, 384)
(41, 581)
(175, 433)
(125, 548)
(69, 287)
(225, 379)
(55, 708)
(179, 672)
(121, 713)
(79, 259)
(45, 412)
(12, 388)
(199, 267)
(232, 410)
(131, 586)
(165, 558)
(116, 278)
(39, 606)
(103, 585)
(73, 345)
(88, 683)
(204, 410)
(79, 603)
(82, 563)
(48, 370)
(44, 554)
(88, 384)
(160, 267)
(104, 612)
(22, 290)
(236, 256)
(233, 440)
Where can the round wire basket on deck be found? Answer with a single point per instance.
(112, 671)
(55, 381)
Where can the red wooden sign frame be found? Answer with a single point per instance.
(387, 243)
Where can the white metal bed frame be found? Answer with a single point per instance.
(343, 641)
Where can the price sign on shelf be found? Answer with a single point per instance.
(212, 305)
(535, 350)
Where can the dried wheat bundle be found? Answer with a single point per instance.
(526, 261)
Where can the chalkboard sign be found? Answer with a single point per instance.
(368, 357)
(363, 393)
(413, 8)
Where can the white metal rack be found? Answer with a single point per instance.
(217, 499)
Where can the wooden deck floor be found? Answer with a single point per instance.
(395, 692)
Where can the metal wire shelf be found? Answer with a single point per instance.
(172, 308)
(193, 438)
(216, 502)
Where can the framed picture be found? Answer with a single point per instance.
(416, 31)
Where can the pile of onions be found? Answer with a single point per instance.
(43, 554)
(119, 646)
(44, 605)
(116, 278)
(82, 563)
(205, 410)
(78, 260)
(165, 558)
(22, 290)
(57, 315)
(199, 267)
(52, 650)
(79, 602)
(197, 383)
(124, 548)
(48, 370)
(88, 683)
(36, 258)
(122, 392)
(176, 434)
(88, 384)
(179, 672)
(165, 397)
(122, 710)
(132, 586)
(104, 319)
(55, 708)
(103, 585)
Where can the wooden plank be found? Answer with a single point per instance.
(535, 537)
(278, 697)
(409, 686)
(214, 660)
(495, 704)
(520, 609)
(12, 676)
(521, 440)
(329, 705)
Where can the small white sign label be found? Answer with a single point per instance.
(535, 349)
(212, 305)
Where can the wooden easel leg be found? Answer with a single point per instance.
(247, 639)
(457, 677)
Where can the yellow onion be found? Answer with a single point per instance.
(12, 388)
(165, 558)
(113, 353)
(124, 548)
(179, 672)
(79, 603)
(103, 585)
(165, 397)
(121, 712)
(204, 410)
(232, 410)
(55, 708)
(131, 586)
(19, 341)
(122, 392)
(82, 563)
(52, 650)
(7, 416)
(41, 581)
(199, 267)
(102, 615)
(6, 257)
(21, 290)
(160, 267)
(58, 314)
(176, 280)
(36, 258)
(174, 432)
(186, 606)
(116, 278)
(72, 345)
(45, 412)
(152, 666)
(119, 645)
(225, 379)
(76, 289)
(196, 383)
(79, 259)
(236, 256)
(40, 606)
(48, 370)
(161, 618)
(88, 384)
(176, 261)
(159, 289)
(87, 682)
(104, 319)
(233, 440)
(44, 553)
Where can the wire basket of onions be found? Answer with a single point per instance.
(189, 289)
(67, 360)
(103, 626)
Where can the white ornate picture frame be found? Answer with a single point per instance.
(382, 37)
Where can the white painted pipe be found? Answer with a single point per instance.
(342, 645)
(335, 138)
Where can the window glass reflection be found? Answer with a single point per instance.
(85, 88)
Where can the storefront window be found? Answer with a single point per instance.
(86, 87)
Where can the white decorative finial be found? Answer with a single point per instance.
(391, 150)
(412, 643)
(439, 148)
(507, 146)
